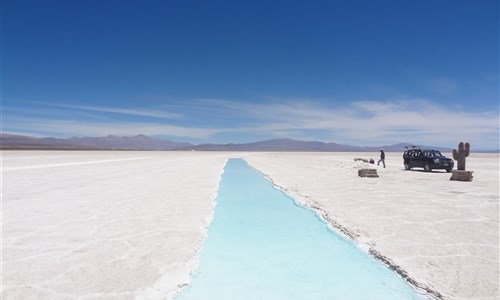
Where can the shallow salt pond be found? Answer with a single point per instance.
(261, 245)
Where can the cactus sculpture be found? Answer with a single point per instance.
(461, 154)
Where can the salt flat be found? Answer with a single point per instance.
(107, 225)
(126, 225)
(444, 234)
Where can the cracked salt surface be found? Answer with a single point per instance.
(103, 225)
(261, 245)
(128, 225)
(404, 219)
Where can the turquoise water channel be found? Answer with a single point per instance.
(261, 245)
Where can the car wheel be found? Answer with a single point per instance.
(427, 168)
(407, 166)
(448, 170)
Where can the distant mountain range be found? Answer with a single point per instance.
(110, 142)
(289, 145)
(143, 142)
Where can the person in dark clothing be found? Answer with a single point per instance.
(382, 158)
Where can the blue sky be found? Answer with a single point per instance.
(356, 72)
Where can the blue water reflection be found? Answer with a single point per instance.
(261, 245)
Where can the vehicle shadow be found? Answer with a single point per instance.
(423, 171)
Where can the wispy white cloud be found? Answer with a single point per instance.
(154, 113)
(67, 128)
(369, 123)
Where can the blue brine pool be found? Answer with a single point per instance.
(261, 245)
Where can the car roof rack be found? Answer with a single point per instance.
(411, 147)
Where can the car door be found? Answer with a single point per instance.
(419, 159)
(411, 159)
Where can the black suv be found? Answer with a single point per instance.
(415, 157)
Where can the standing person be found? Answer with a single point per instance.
(382, 158)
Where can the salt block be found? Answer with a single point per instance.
(461, 175)
(367, 173)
